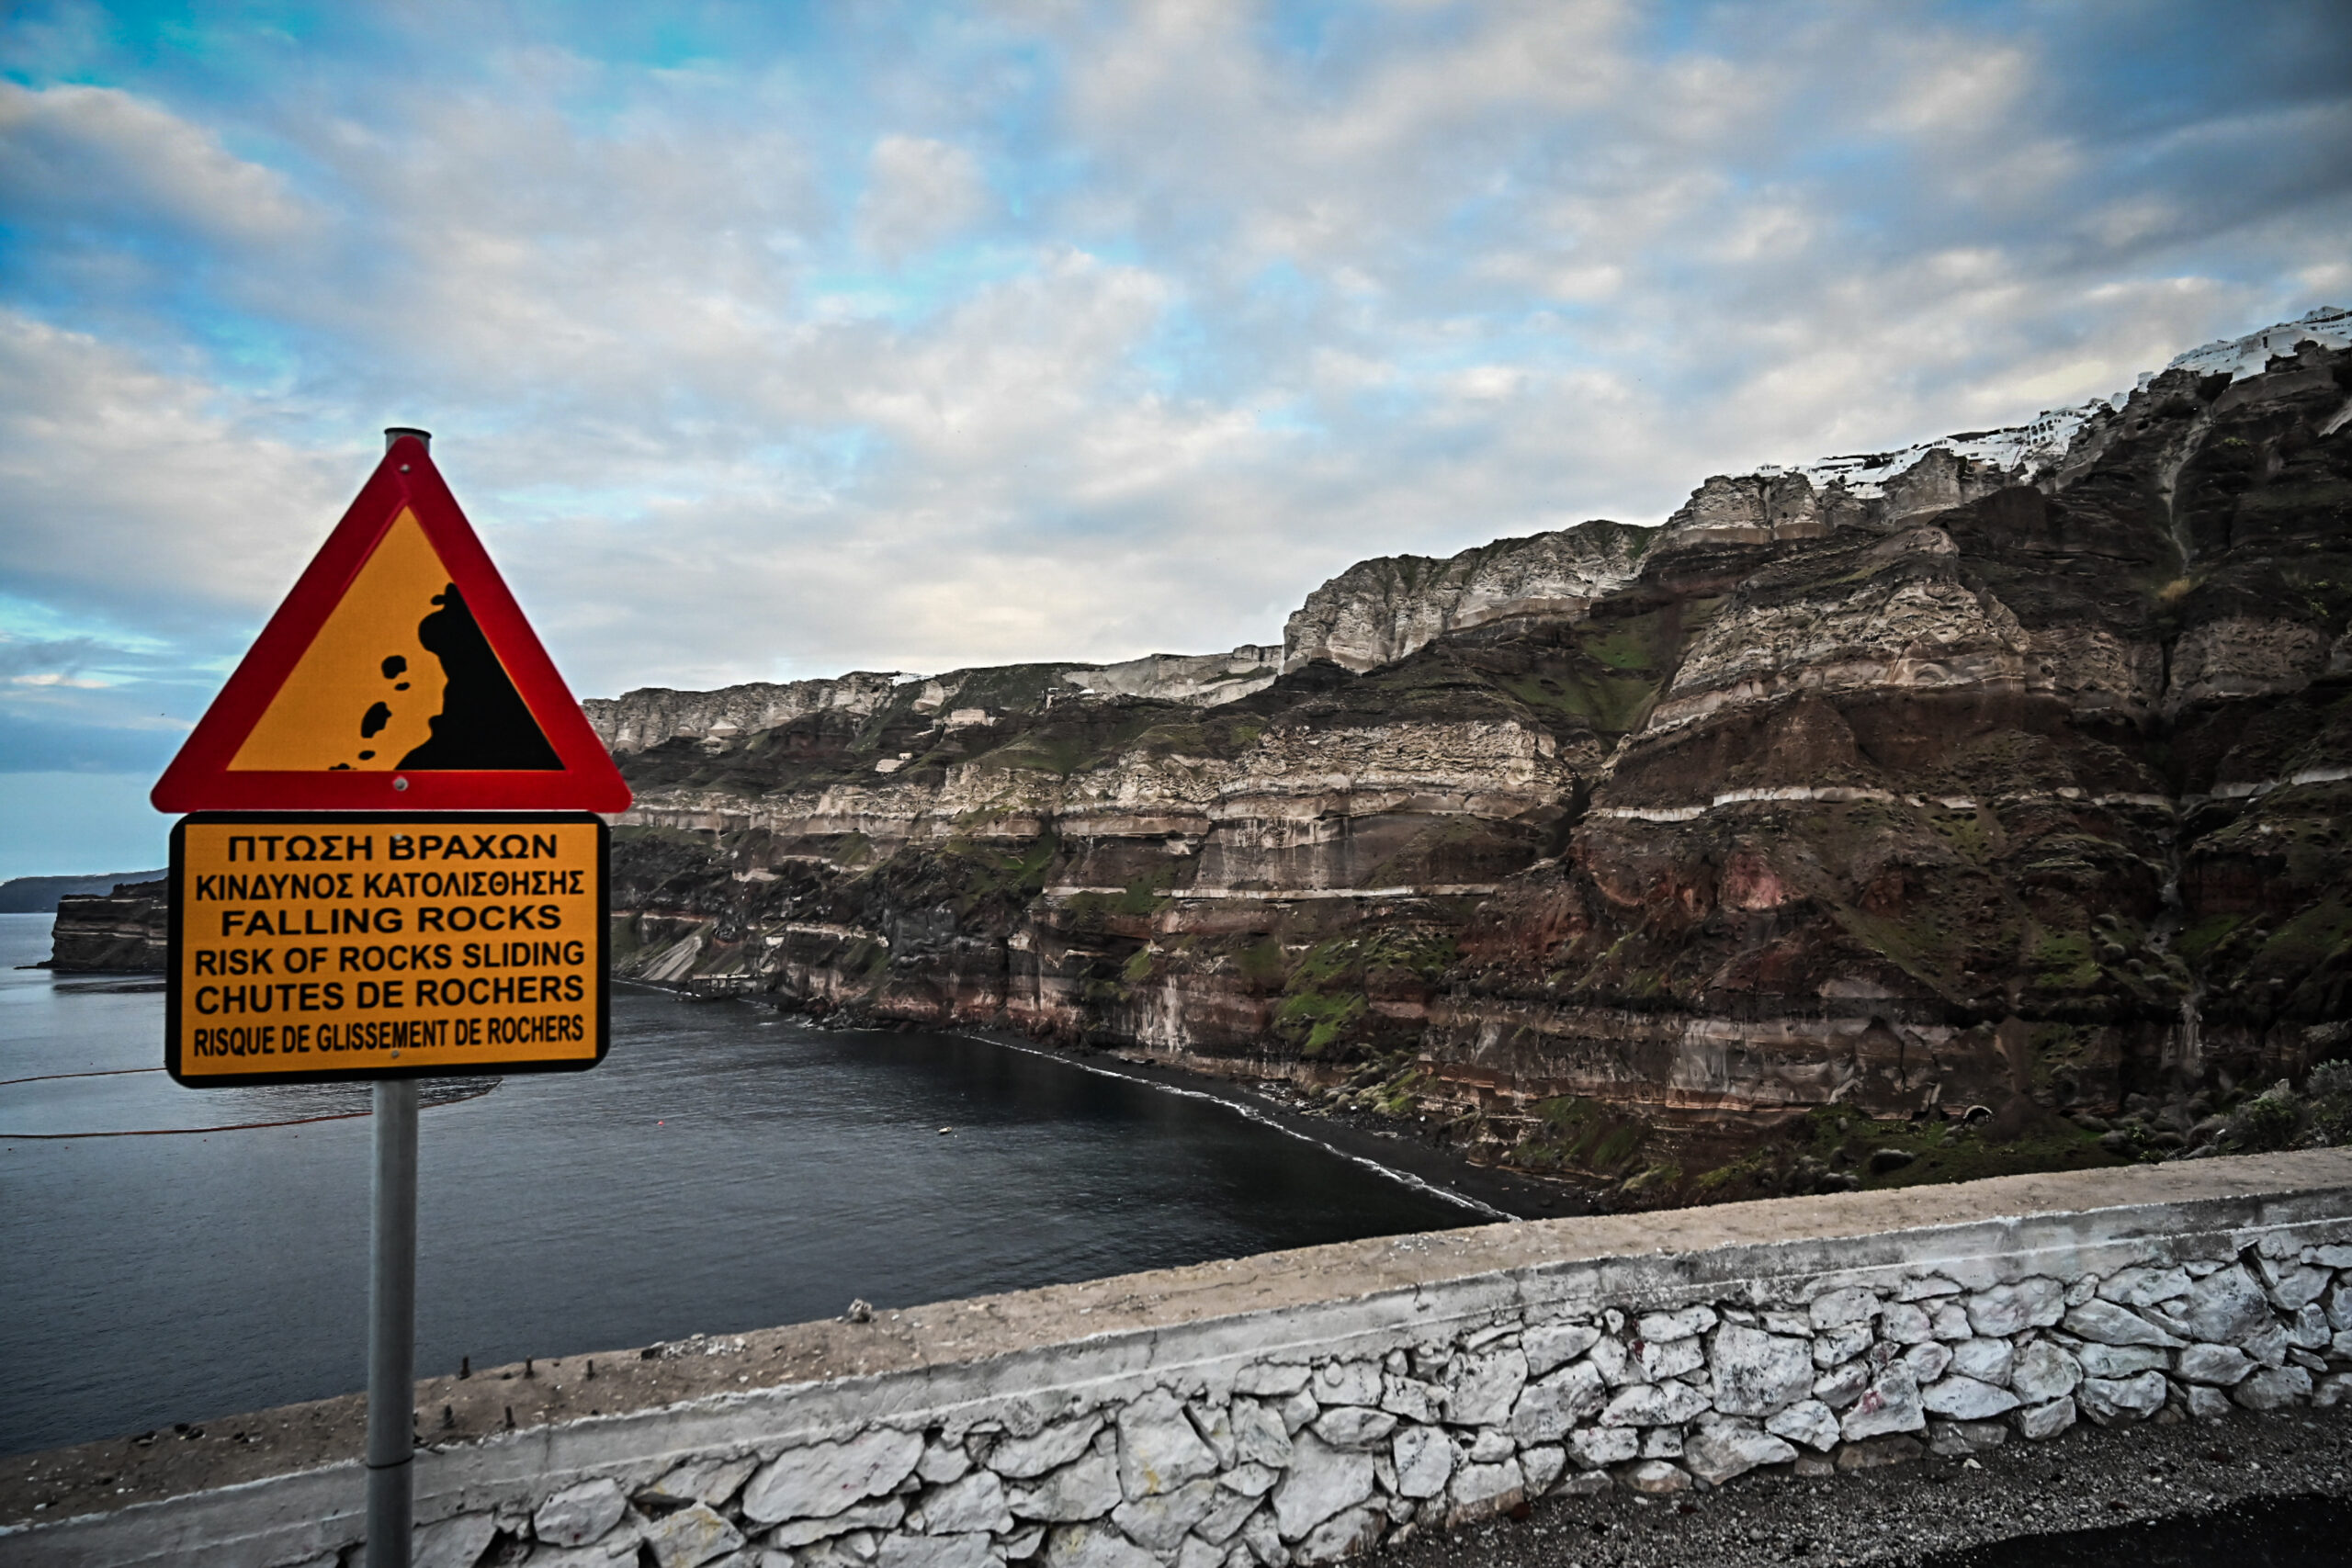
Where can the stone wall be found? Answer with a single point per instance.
(1304, 1406)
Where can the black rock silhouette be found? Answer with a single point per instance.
(482, 722)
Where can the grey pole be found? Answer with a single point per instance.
(392, 1310)
(391, 1328)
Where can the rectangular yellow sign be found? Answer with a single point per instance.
(330, 945)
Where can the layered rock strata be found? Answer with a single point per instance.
(1903, 791)
(127, 929)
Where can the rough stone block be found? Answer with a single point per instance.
(1662, 1442)
(2206, 1404)
(1951, 1322)
(1018, 1459)
(1593, 1447)
(1654, 1405)
(1809, 1422)
(1719, 1451)
(1556, 1344)
(2274, 1389)
(1756, 1373)
(1965, 1399)
(1346, 1383)
(1657, 1477)
(1904, 1323)
(1479, 1490)
(2121, 1361)
(1836, 1347)
(1086, 1488)
(2005, 1310)
(1929, 1361)
(1956, 1439)
(1550, 1406)
(2143, 1286)
(1094, 1545)
(2225, 1307)
(1585, 1484)
(1354, 1427)
(2113, 1402)
(2038, 1423)
(1987, 1361)
(1410, 1398)
(578, 1515)
(1671, 1359)
(1158, 1449)
(2104, 1323)
(2224, 1366)
(1662, 1327)
(1273, 1379)
(881, 1516)
(1323, 1481)
(1485, 1387)
(1424, 1462)
(2042, 1372)
(1160, 1521)
(1349, 1535)
(1834, 1309)
(453, 1543)
(1841, 1386)
(696, 1533)
(1890, 1403)
(974, 1503)
(1260, 1436)
(1543, 1463)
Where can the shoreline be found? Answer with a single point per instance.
(1486, 1194)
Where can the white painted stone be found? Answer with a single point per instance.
(1094, 1545)
(1659, 1478)
(1158, 1449)
(1987, 1361)
(1086, 1488)
(1965, 1399)
(1554, 1345)
(2294, 1287)
(852, 1551)
(1809, 1422)
(1158, 1522)
(884, 1515)
(1659, 1327)
(2112, 1402)
(1480, 1489)
(2141, 1287)
(2225, 1307)
(1232, 1512)
(2121, 1361)
(578, 1515)
(1264, 1541)
(2081, 1289)
(1593, 1447)
(1836, 1347)
(1585, 1484)
(1485, 1387)
(1662, 1442)
(1322, 1482)
(1950, 1321)
(1617, 1366)
(1258, 1434)
(1718, 1451)
(1424, 1462)
(2038, 1423)
(1927, 1360)
(1548, 1407)
(1194, 1553)
(2331, 1390)
(1296, 1411)
(2310, 1330)
(2274, 1389)
(1834, 1309)
(713, 1482)
(2266, 1344)
(1354, 1427)
(693, 1535)
(2207, 1404)
(1654, 1405)
(2104, 1323)
(2329, 1256)
(1842, 1386)
(1490, 1446)
(1542, 1463)
(1411, 1398)
(1757, 1373)
(2042, 1372)
(1927, 1287)
(1788, 1325)
(1346, 1383)
(2037, 1302)
(1890, 1403)
(1671, 1359)
(1019, 1458)
(453, 1543)
(1348, 1535)
(1215, 1425)
(1275, 1379)
(975, 1503)
(825, 1478)
(1250, 1480)
(1906, 1323)
(2339, 1307)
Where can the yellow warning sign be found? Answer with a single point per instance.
(398, 676)
(373, 945)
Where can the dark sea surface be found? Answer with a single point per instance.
(724, 1169)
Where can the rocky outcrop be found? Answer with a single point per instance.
(656, 714)
(1883, 791)
(1197, 680)
(127, 929)
(1379, 611)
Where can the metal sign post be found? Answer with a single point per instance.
(390, 870)
(391, 1328)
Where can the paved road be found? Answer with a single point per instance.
(2256, 1492)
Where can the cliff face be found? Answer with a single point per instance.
(127, 929)
(2011, 772)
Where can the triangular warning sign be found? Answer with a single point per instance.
(398, 676)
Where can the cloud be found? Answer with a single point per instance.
(919, 193)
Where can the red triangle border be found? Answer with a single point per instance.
(200, 777)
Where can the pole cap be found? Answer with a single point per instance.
(394, 432)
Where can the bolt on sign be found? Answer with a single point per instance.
(391, 867)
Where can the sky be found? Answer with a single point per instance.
(763, 342)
